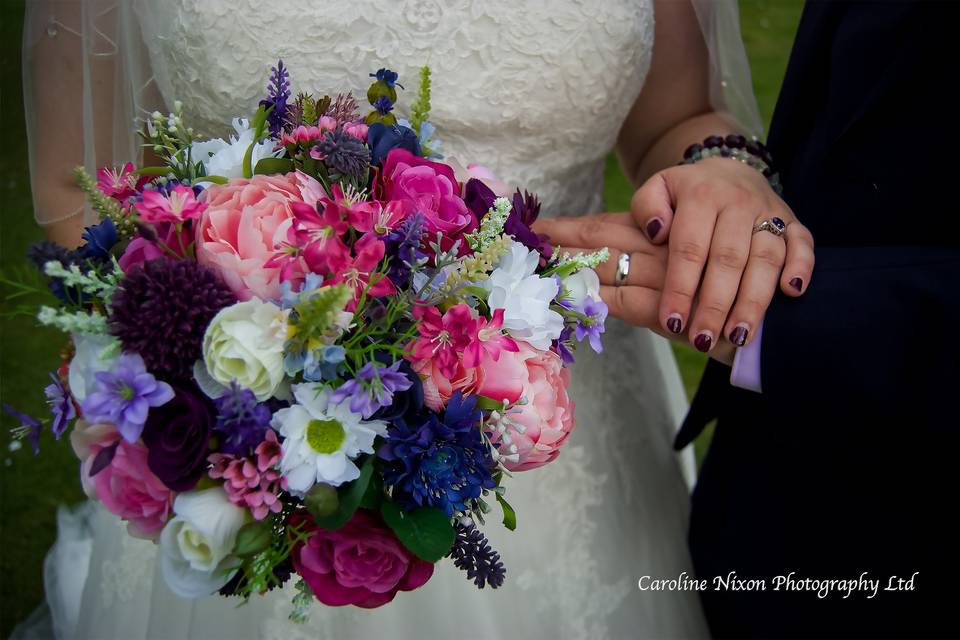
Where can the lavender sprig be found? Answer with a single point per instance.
(278, 93)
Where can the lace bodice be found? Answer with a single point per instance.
(535, 90)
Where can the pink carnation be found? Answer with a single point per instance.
(254, 484)
(432, 189)
(245, 223)
(362, 563)
(125, 486)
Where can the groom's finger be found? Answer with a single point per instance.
(652, 207)
(592, 233)
(645, 270)
(636, 305)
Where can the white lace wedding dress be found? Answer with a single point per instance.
(537, 91)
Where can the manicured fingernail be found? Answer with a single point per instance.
(739, 335)
(674, 323)
(653, 228)
(797, 284)
(703, 341)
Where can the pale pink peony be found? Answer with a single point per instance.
(547, 416)
(362, 563)
(245, 223)
(125, 486)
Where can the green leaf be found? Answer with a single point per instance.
(273, 165)
(488, 404)
(259, 122)
(153, 171)
(350, 497)
(509, 515)
(213, 179)
(373, 495)
(426, 532)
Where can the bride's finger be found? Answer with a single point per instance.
(593, 233)
(645, 270)
(636, 305)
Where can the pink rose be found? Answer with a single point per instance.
(125, 486)
(361, 563)
(432, 189)
(246, 222)
(547, 417)
(437, 387)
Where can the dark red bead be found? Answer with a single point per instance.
(713, 142)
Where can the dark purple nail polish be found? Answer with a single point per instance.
(674, 324)
(702, 342)
(797, 284)
(653, 228)
(739, 336)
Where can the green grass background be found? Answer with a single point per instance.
(31, 487)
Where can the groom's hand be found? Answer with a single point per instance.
(706, 214)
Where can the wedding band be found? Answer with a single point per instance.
(623, 269)
(776, 226)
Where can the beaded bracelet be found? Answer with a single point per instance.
(751, 152)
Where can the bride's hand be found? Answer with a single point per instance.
(706, 214)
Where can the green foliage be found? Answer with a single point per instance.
(273, 165)
(350, 496)
(420, 109)
(313, 317)
(509, 515)
(259, 126)
(426, 531)
(104, 206)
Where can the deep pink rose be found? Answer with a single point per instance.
(432, 189)
(362, 563)
(540, 378)
(245, 223)
(125, 486)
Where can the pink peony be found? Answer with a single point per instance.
(432, 189)
(438, 387)
(125, 486)
(547, 416)
(361, 563)
(245, 223)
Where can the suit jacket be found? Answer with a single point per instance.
(845, 463)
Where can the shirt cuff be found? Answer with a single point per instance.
(746, 364)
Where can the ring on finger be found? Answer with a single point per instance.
(774, 225)
(623, 269)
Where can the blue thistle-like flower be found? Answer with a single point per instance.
(241, 419)
(99, 240)
(278, 94)
(403, 246)
(472, 553)
(439, 462)
(383, 105)
(345, 154)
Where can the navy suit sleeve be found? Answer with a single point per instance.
(877, 325)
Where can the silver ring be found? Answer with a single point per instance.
(623, 269)
(774, 225)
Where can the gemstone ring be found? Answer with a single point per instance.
(774, 225)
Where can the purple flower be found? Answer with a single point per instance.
(478, 197)
(278, 92)
(61, 405)
(403, 246)
(29, 427)
(563, 346)
(124, 396)
(177, 437)
(372, 388)
(596, 310)
(525, 210)
(241, 419)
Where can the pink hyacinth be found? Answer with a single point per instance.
(252, 483)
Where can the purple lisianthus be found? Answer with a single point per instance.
(372, 388)
(61, 405)
(29, 428)
(241, 420)
(177, 437)
(124, 396)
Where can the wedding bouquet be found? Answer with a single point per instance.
(312, 349)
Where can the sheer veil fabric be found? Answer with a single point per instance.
(538, 93)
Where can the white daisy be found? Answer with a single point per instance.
(322, 439)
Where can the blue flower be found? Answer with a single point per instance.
(382, 138)
(99, 240)
(372, 388)
(596, 311)
(278, 92)
(61, 405)
(439, 462)
(383, 105)
(29, 428)
(241, 419)
(403, 246)
(387, 77)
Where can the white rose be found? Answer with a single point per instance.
(525, 298)
(582, 285)
(244, 342)
(195, 546)
(94, 353)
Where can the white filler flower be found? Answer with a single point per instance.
(222, 158)
(525, 298)
(322, 439)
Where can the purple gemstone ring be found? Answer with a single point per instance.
(776, 226)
